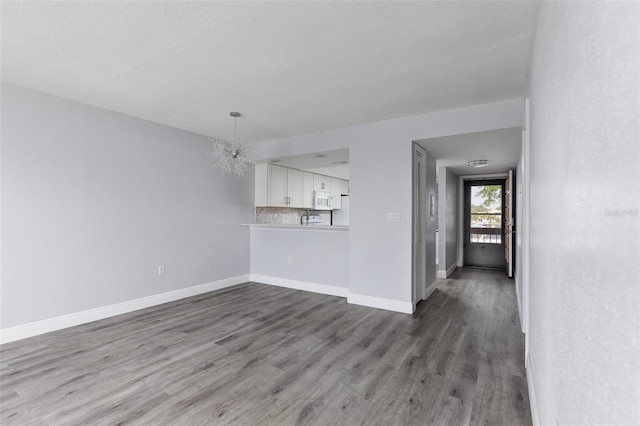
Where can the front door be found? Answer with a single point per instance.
(509, 200)
(483, 224)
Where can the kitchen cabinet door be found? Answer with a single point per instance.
(345, 187)
(322, 183)
(336, 190)
(277, 186)
(307, 190)
(294, 188)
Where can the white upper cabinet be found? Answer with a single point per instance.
(294, 188)
(307, 190)
(284, 188)
(322, 183)
(278, 186)
(336, 190)
(345, 187)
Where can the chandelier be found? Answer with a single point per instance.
(232, 156)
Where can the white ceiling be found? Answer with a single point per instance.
(500, 147)
(289, 67)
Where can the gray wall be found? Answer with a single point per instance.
(93, 201)
(448, 202)
(380, 182)
(318, 256)
(585, 203)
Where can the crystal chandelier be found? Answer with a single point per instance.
(232, 156)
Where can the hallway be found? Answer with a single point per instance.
(287, 357)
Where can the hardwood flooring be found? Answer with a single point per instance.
(255, 354)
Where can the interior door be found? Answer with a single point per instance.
(483, 224)
(508, 224)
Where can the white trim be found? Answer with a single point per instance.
(460, 224)
(69, 320)
(356, 299)
(519, 300)
(533, 400)
(461, 194)
(449, 271)
(429, 290)
(300, 285)
(381, 303)
(526, 228)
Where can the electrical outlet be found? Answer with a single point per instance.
(393, 217)
(290, 260)
(162, 270)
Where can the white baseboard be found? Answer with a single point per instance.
(427, 293)
(52, 324)
(300, 285)
(533, 400)
(449, 271)
(429, 290)
(356, 299)
(380, 303)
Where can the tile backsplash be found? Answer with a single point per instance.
(287, 216)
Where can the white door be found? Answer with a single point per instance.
(419, 224)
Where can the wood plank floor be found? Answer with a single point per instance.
(255, 354)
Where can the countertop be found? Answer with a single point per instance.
(298, 227)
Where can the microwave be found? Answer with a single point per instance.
(322, 200)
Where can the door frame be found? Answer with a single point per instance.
(418, 284)
(461, 182)
(467, 209)
(523, 228)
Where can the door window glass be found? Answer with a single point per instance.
(486, 214)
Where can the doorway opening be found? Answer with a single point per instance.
(484, 212)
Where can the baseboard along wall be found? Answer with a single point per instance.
(36, 328)
(533, 400)
(448, 272)
(57, 323)
(300, 285)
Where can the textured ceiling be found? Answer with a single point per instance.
(289, 67)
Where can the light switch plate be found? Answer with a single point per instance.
(393, 217)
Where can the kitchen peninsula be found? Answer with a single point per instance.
(306, 257)
(293, 243)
